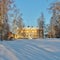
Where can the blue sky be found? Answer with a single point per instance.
(31, 10)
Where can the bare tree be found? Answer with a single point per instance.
(41, 24)
(18, 24)
(54, 23)
(4, 9)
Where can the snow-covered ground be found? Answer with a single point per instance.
(38, 49)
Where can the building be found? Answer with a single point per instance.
(29, 33)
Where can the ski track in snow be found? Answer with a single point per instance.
(30, 50)
(6, 54)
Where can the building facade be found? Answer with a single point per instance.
(29, 33)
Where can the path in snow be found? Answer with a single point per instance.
(30, 50)
(6, 54)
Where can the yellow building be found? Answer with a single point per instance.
(29, 33)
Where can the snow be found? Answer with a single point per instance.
(30, 49)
